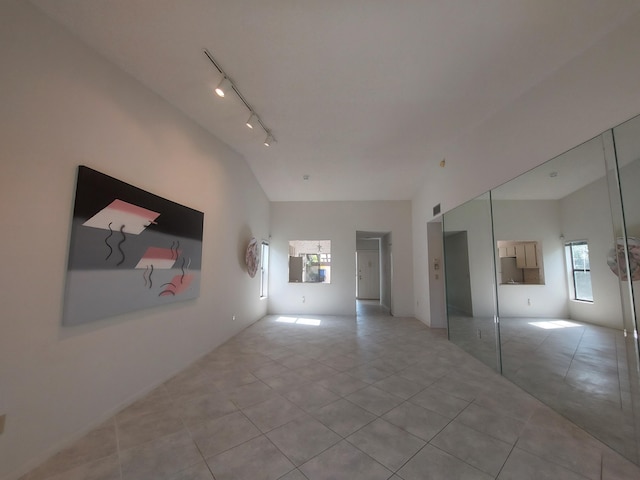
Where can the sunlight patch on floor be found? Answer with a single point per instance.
(300, 321)
(553, 324)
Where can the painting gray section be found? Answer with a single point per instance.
(95, 294)
(90, 252)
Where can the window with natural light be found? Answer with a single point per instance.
(264, 270)
(579, 270)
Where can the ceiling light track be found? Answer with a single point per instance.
(227, 84)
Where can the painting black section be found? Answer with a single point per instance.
(96, 190)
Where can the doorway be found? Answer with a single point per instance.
(374, 268)
(368, 279)
(458, 285)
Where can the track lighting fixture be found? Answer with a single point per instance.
(223, 86)
(226, 85)
(250, 121)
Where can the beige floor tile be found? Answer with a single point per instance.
(302, 438)
(256, 459)
(161, 458)
(384, 442)
(434, 464)
(220, 434)
(144, 428)
(344, 461)
(475, 448)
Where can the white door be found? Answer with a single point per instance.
(368, 266)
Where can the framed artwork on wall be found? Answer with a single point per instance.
(129, 249)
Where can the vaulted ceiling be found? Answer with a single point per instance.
(361, 95)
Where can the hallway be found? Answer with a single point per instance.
(367, 397)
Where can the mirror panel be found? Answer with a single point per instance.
(626, 138)
(538, 284)
(563, 341)
(470, 278)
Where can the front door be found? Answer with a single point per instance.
(368, 270)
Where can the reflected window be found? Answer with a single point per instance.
(264, 270)
(579, 270)
(310, 261)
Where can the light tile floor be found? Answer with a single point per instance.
(372, 397)
(579, 370)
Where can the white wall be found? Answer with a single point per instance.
(586, 215)
(61, 105)
(533, 220)
(594, 92)
(338, 222)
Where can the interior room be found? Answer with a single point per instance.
(498, 336)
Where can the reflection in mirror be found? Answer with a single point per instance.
(562, 340)
(470, 279)
(520, 263)
(626, 262)
(310, 261)
(568, 306)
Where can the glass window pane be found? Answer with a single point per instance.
(580, 252)
(583, 285)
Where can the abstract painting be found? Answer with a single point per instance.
(129, 249)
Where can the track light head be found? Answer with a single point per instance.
(223, 86)
(268, 141)
(251, 120)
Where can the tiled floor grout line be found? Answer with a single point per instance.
(428, 443)
(573, 356)
(513, 447)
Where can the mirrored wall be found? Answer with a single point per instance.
(542, 279)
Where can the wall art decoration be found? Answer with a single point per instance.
(129, 249)
(251, 257)
(616, 259)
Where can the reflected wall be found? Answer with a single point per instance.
(470, 290)
(535, 245)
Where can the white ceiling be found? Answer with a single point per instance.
(362, 95)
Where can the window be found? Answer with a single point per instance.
(310, 261)
(264, 270)
(579, 270)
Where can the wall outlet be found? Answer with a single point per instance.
(529, 301)
(2, 420)
(303, 299)
(479, 333)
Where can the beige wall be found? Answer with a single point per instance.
(61, 105)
